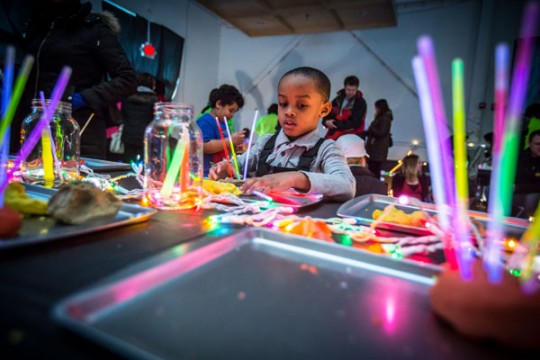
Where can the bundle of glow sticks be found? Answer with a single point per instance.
(450, 192)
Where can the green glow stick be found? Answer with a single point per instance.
(173, 170)
(20, 83)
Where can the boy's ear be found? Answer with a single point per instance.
(325, 109)
(218, 104)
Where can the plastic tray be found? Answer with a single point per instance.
(41, 229)
(362, 208)
(266, 295)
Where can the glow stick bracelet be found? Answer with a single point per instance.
(20, 83)
(6, 95)
(462, 240)
(530, 239)
(229, 167)
(235, 161)
(250, 143)
(433, 148)
(504, 170)
(48, 112)
(174, 168)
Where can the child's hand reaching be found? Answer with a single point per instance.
(238, 138)
(479, 309)
(277, 182)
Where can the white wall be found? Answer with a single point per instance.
(215, 53)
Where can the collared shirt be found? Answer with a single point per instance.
(329, 174)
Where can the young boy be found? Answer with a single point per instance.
(297, 156)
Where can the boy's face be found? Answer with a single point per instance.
(227, 111)
(300, 105)
(534, 143)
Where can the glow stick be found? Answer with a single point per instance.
(48, 112)
(434, 155)
(6, 95)
(173, 170)
(20, 83)
(184, 168)
(51, 144)
(462, 240)
(250, 143)
(87, 122)
(232, 148)
(224, 148)
(504, 170)
(427, 52)
(530, 239)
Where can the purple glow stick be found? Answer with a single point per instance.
(504, 170)
(250, 143)
(434, 155)
(6, 96)
(48, 112)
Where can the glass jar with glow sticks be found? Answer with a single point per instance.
(173, 158)
(55, 158)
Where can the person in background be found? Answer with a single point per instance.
(137, 113)
(66, 32)
(348, 113)
(527, 182)
(355, 153)
(268, 123)
(378, 136)
(298, 156)
(225, 101)
(410, 181)
(208, 108)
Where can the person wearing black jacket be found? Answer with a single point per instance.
(348, 113)
(137, 113)
(66, 32)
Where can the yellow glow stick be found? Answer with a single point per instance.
(530, 240)
(46, 154)
(460, 166)
(232, 149)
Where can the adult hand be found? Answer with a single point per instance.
(277, 182)
(480, 309)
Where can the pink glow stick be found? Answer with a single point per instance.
(434, 155)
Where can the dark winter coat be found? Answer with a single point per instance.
(367, 182)
(137, 113)
(352, 118)
(378, 137)
(102, 73)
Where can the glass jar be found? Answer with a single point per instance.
(173, 158)
(55, 158)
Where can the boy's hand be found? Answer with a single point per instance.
(277, 182)
(220, 171)
(238, 138)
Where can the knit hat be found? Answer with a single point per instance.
(352, 146)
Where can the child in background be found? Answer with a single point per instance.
(268, 123)
(355, 153)
(298, 156)
(411, 181)
(224, 102)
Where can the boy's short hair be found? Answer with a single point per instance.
(322, 83)
(228, 95)
(146, 79)
(351, 81)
